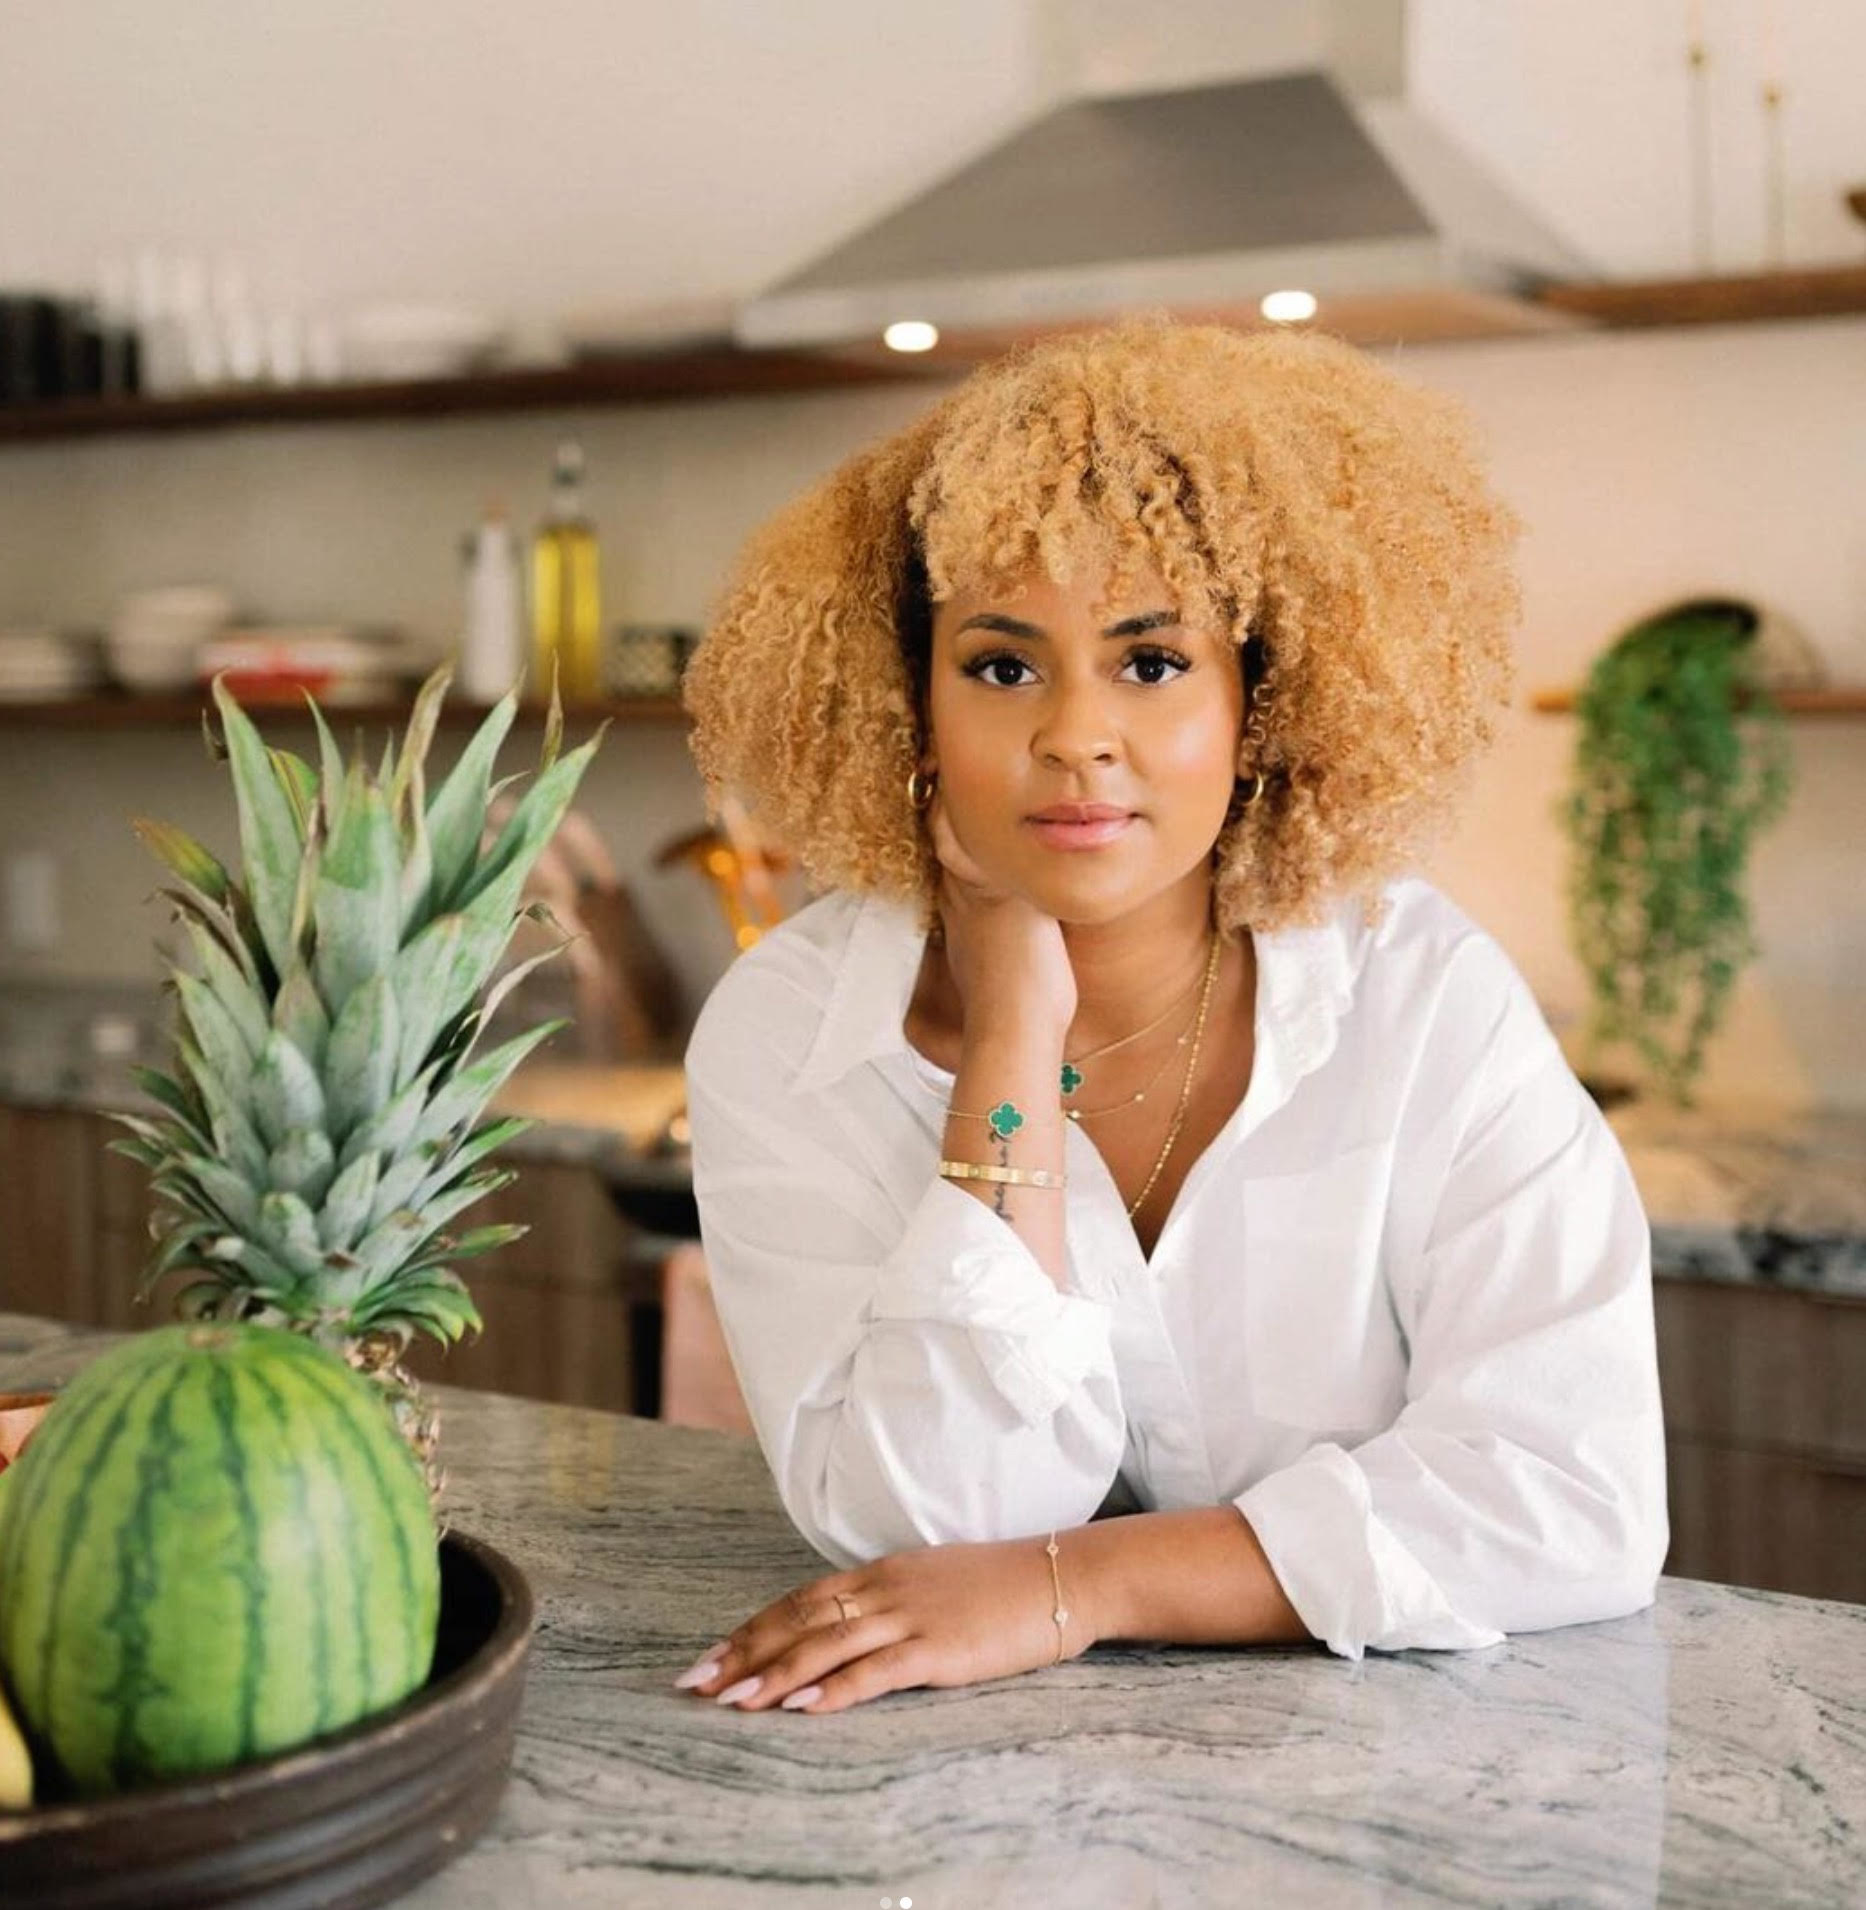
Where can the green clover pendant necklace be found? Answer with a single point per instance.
(1072, 1075)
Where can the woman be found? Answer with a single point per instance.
(1136, 1206)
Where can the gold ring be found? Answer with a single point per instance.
(847, 1606)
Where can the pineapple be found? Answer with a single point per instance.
(317, 1136)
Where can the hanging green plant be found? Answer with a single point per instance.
(1682, 757)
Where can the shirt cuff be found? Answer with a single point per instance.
(1351, 1581)
(960, 1264)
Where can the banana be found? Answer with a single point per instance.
(15, 1759)
(15, 1762)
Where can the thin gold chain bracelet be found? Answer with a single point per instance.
(1060, 1614)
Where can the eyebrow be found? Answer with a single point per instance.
(1016, 627)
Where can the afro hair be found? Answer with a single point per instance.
(1333, 518)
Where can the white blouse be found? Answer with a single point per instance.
(1400, 1313)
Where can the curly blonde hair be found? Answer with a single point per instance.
(1333, 519)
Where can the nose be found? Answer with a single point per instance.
(1075, 729)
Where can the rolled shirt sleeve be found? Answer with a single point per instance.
(1522, 1485)
(914, 1375)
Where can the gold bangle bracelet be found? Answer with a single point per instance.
(1015, 1176)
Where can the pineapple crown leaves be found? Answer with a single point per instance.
(317, 1134)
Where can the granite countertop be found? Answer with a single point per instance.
(1769, 1199)
(1708, 1751)
(1762, 1198)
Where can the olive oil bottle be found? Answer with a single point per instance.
(566, 590)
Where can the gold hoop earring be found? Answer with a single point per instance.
(1244, 791)
(920, 788)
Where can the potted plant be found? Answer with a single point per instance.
(1682, 757)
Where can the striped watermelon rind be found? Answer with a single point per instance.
(216, 1547)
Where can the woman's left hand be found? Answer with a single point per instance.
(938, 1615)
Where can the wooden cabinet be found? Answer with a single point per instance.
(48, 1249)
(572, 1313)
(1765, 1424)
(1765, 1390)
(567, 1308)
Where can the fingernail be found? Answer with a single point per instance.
(798, 1699)
(697, 1675)
(743, 1689)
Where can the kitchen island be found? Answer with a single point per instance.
(1758, 1221)
(1708, 1751)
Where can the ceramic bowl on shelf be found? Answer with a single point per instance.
(155, 636)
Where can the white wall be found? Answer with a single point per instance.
(364, 522)
(1651, 467)
(523, 159)
(588, 152)
(568, 154)
(1647, 465)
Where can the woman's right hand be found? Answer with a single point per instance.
(1007, 958)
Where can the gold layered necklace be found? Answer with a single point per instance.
(1185, 1091)
(1172, 1054)
(1196, 1038)
(1073, 1077)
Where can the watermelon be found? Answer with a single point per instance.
(217, 1546)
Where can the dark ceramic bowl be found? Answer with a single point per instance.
(353, 1819)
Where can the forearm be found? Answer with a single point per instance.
(1191, 1577)
(875, 1473)
(1022, 1069)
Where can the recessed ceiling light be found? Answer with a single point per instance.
(1288, 308)
(910, 334)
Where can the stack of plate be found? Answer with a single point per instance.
(42, 666)
(335, 663)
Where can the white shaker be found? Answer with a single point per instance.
(492, 643)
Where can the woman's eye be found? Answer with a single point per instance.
(1007, 671)
(1156, 666)
(1000, 667)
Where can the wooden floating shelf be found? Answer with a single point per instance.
(185, 712)
(659, 378)
(727, 371)
(1846, 702)
(1828, 291)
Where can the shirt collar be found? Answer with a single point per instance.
(1305, 985)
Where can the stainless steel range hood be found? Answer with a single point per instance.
(1205, 197)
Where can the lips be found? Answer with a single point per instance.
(1081, 812)
(1079, 825)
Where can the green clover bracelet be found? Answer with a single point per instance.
(1006, 1118)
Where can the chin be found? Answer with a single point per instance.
(1086, 897)
(1087, 891)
